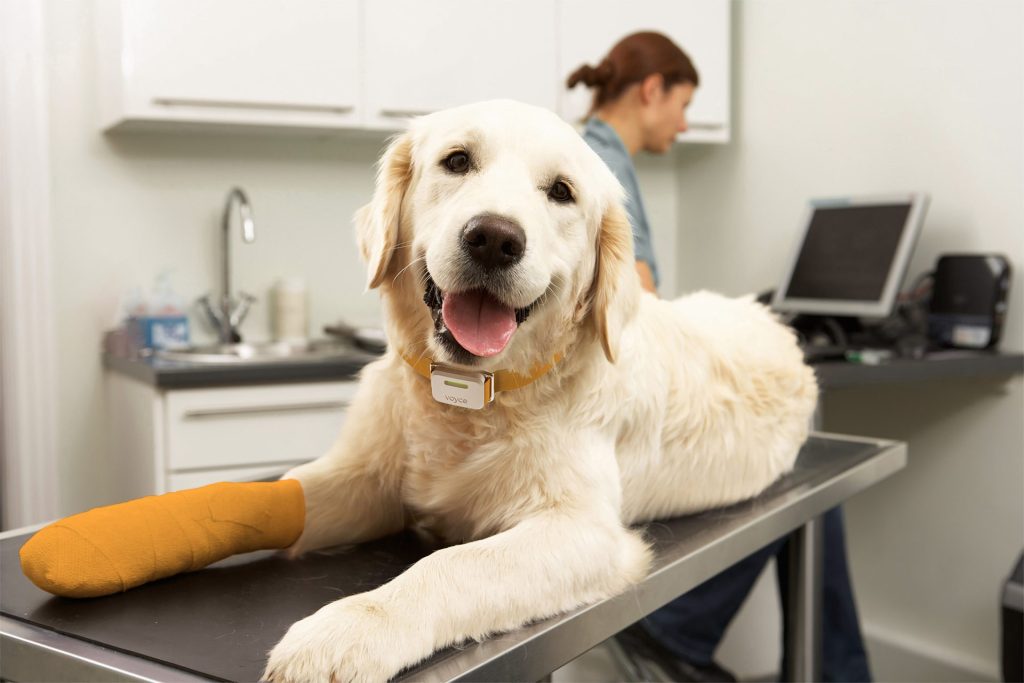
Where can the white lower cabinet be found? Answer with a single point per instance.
(166, 440)
(176, 481)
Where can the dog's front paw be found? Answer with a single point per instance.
(354, 639)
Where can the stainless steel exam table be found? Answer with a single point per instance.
(218, 623)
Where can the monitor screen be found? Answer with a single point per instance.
(852, 256)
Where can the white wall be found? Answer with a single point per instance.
(128, 205)
(855, 96)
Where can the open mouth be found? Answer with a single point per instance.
(473, 323)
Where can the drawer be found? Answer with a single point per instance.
(176, 481)
(246, 426)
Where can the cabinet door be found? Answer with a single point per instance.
(587, 30)
(425, 56)
(236, 61)
(247, 426)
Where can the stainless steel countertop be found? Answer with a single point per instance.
(45, 636)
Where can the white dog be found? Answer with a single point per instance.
(499, 243)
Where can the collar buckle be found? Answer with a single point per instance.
(460, 388)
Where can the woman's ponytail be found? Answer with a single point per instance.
(590, 76)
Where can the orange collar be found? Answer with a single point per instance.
(473, 388)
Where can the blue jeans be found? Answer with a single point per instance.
(692, 625)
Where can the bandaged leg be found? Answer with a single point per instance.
(111, 549)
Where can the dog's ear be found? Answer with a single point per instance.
(615, 291)
(377, 222)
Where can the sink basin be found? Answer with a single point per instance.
(266, 352)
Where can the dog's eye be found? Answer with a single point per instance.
(560, 192)
(457, 162)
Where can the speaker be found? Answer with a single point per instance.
(968, 303)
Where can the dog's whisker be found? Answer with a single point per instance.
(423, 353)
(423, 345)
(418, 343)
(411, 264)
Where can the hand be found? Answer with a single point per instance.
(357, 639)
(646, 277)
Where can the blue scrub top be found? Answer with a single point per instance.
(603, 139)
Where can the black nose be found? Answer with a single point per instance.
(493, 241)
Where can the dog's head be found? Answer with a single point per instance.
(498, 237)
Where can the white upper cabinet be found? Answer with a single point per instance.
(587, 30)
(249, 62)
(348, 64)
(424, 56)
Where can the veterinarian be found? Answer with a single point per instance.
(641, 91)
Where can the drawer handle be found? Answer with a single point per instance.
(404, 113)
(706, 126)
(239, 104)
(255, 410)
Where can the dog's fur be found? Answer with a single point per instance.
(657, 408)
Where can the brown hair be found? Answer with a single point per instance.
(631, 60)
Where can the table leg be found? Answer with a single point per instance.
(631, 668)
(802, 648)
(818, 418)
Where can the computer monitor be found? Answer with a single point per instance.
(852, 255)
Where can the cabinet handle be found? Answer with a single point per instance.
(253, 410)
(404, 113)
(239, 104)
(696, 125)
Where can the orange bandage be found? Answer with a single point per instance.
(114, 548)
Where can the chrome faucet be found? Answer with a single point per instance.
(229, 314)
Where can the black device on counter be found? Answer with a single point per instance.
(968, 302)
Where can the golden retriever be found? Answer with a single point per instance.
(500, 245)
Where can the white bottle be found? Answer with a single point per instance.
(290, 310)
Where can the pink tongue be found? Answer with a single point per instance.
(480, 323)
